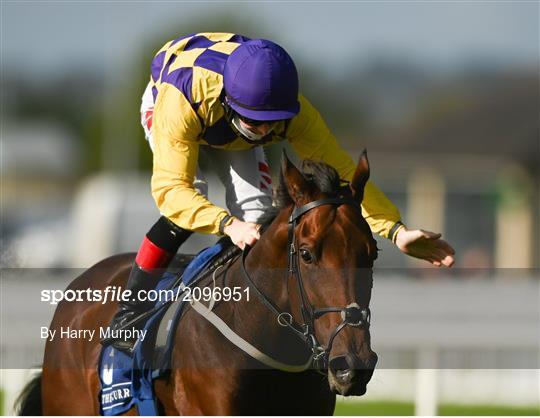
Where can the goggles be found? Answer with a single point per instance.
(253, 122)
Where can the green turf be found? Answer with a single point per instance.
(487, 410)
(405, 408)
(373, 408)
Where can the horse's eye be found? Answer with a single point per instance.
(306, 256)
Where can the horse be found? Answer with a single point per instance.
(310, 277)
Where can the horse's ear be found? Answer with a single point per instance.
(297, 186)
(360, 178)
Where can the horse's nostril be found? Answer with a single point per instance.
(342, 370)
(338, 364)
(344, 376)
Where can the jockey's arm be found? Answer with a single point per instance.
(176, 129)
(311, 139)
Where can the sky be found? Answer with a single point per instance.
(48, 37)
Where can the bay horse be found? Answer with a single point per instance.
(311, 279)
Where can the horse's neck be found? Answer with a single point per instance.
(266, 264)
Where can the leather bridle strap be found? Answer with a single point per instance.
(245, 346)
(306, 309)
(351, 314)
(337, 201)
(269, 304)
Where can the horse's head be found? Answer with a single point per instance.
(331, 259)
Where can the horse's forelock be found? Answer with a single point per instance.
(324, 177)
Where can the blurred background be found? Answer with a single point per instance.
(444, 95)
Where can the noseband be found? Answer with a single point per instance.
(351, 315)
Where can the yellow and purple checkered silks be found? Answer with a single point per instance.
(187, 84)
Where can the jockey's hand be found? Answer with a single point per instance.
(425, 245)
(242, 233)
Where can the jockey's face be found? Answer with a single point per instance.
(262, 129)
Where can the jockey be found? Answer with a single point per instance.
(227, 96)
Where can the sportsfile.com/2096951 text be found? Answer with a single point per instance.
(118, 294)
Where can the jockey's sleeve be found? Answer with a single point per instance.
(311, 139)
(175, 131)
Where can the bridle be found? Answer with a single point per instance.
(351, 315)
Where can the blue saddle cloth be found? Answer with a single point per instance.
(127, 381)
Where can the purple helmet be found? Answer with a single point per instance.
(261, 81)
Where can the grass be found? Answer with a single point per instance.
(374, 408)
(406, 408)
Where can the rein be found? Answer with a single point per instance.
(351, 315)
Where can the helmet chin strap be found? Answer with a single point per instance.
(234, 121)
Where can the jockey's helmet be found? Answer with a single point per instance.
(261, 82)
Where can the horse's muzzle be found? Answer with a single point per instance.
(348, 375)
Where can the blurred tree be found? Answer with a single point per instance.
(69, 99)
